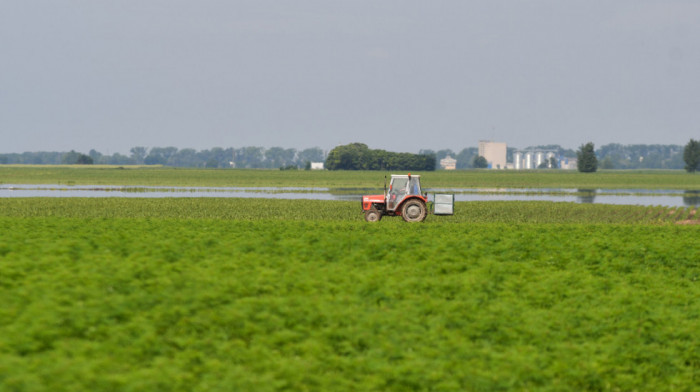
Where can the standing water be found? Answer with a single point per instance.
(644, 197)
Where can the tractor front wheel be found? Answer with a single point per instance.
(373, 215)
(414, 211)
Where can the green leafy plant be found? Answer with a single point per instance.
(254, 294)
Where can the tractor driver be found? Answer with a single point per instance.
(414, 188)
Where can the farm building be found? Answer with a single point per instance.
(495, 154)
(448, 163)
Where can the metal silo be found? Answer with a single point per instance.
(550, 155)
(539, 158)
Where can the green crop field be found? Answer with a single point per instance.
(280, 295)
(166, 176)
(338, 211)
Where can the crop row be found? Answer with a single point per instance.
(315, 210)
(201, 304)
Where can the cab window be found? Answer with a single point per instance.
(414, 187)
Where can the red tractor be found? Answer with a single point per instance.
(403, 199)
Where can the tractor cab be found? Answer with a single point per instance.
(403, 198)
(400, 188)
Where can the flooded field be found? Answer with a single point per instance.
(645, 197)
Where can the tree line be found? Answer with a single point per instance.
(244, 157)
(358, 155)
(640, 156)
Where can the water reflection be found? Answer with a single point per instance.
(691, 198)
(586, 195)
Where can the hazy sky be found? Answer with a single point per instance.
(399, 75)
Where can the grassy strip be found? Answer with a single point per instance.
(512, 212)
(165, 176)
(202, 305)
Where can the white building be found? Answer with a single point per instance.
(533, 159)
(448, 163)
(316, 165)
(494, 153)
(568, 164)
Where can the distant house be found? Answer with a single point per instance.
(568, 163)
(448, 163)
(316, 165)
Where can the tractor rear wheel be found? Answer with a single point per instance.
(414, 211)
(373, 215)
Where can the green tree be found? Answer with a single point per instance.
(70, 158)
(95, 155)
(357, 156)
(352, 156)
(465, 158)
(187, 157)
(480, 162)
(314, 154)
(155, 159)
(76, 158)
(138, 154)
(249, 157)
(607, 163)
(587, 161)
(691, 156)
(118, 159)
(159, 155)
(279, 157)
(84, 160)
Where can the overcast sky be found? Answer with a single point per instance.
(399, 75)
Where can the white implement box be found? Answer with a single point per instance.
(444, 204)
